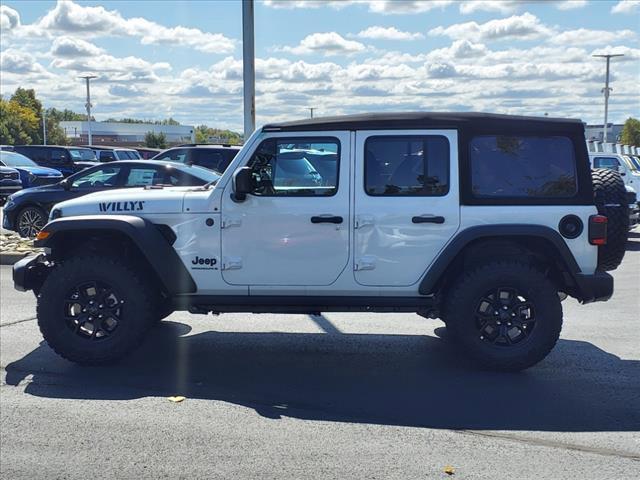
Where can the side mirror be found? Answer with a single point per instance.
(66, 184)
(242, 184)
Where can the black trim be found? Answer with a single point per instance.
(156, 249)
(301, 304)
(594, 288)
(29, 272)
(462, 239)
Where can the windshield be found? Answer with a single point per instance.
(82, 154)
(629, 162)
(209, 176)
(13, 159)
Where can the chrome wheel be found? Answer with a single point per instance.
(30, 221)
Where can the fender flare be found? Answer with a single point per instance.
(504, 231)
(155, 248)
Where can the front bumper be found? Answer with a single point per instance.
(593, 288)
(30, 273)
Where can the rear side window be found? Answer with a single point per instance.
(406, 165)
(522, 167)
(208, 158)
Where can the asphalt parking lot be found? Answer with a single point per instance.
(336, 396)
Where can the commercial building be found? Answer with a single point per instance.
(596, 132)
(124, 134)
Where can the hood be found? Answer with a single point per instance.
(40, 171)
(129, 201)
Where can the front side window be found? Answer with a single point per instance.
(406, 165)
(102, 177)
(606, 162)
(296, 167)
(82, 154)
(522, 167)
(208, 158)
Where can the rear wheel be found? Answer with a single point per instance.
(505, 315)
(94, 309)
(30, 220)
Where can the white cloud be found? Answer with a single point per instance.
(460, 49)
(20, 62)
(626, 6)
(583, 36)
(71, 17)
(330, 43)
(74, 47)
(113, 69)
(516, 27)
(511, 6)
(388, 33)
(406, 6)
(629, 53)
(291, 4)
(9, 18)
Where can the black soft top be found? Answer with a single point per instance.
(473, 121)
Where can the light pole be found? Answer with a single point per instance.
(44, 126)
(248, 69)
(606, 91)
(88, 105)
(311, 109)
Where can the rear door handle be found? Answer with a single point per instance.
(326, 219)
(428, 219)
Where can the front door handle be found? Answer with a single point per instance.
(326, 219)
(427, 219)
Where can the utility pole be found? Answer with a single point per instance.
(248, 69)
(88, 105)
(606, 90)
(311, 109)
(44, 126)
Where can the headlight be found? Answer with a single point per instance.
(32, 177)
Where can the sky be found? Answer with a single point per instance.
(156, 59)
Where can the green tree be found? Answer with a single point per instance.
(631, 132)
(155, 140)
(18, 124)
(27, 98)
(204, 134)
(66, 115)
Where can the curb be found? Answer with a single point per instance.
(9, 258)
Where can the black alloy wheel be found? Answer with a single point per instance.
(504, 317)
(93, 310)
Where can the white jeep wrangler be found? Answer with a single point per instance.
(485, 221)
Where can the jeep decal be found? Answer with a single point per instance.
(121, 206)
(200, 263)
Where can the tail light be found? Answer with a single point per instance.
(598, 230)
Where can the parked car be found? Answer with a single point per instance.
(620, 163)
(67, 160)
(147, 152)
(485, 221)
(31, 174)
(26, 212)
(9, 182)
(110, 154)
(213, 157)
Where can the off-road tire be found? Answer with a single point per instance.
(611, 200)
(137, 314)
(471, 287)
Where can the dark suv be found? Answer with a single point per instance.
(67, 160)
(213, 157)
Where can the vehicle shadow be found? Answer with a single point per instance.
(382, 379)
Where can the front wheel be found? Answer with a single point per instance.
(94, 309)
(30, 221)
(506, 316)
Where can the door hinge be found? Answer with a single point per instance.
(231, 222)
(364, 220)
(231, 263)
(367, 262)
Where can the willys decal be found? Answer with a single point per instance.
(121, 206)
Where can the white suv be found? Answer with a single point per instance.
(484, 221)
